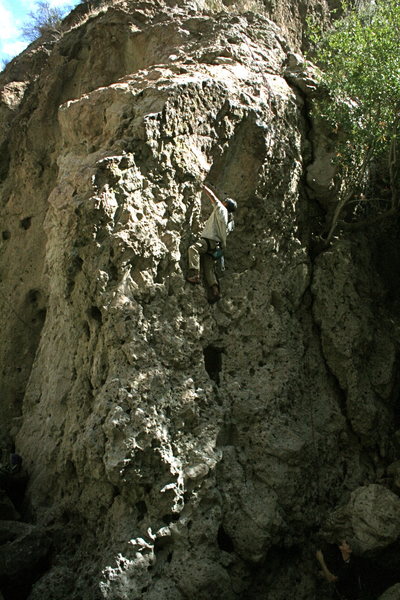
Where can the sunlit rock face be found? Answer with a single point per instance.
(177, 449)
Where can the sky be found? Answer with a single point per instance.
(13, 14)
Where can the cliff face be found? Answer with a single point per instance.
(177, 449)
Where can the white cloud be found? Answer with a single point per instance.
(8, 29)
(11, 42)
(13, 48)
(61, 4)
(30, 4)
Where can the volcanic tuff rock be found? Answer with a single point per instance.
(372, 517)
(392, 593)
(178, 450)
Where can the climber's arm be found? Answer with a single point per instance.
(326, 572)
(210, 194)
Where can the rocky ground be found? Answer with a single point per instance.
(175, 449)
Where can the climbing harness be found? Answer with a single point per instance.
(216, 253)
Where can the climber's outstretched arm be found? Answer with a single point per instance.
(210, 194)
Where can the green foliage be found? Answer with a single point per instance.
(359, 58)
(43, 19)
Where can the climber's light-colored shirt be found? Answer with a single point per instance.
(217, 225)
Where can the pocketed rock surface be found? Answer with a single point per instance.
(177, 449)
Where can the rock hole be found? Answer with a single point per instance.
(162, 543)
(113, 271)
(213, 362)
(95, 313)
(4, 161)
(25, 223)
(86, 329)
(33, 296)
(224, 540)
(141, 507)
(172, 518)
(65, 517)
(77, 263)
(160, 270)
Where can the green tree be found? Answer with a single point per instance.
(359, 58)
(43, 19)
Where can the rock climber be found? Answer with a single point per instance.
(211, 244)
(341, 568)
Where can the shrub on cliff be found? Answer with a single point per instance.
(44, 18)
(359, 57)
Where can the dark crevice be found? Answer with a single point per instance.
(95, 313)
(141, 507)
(33, 296)
(213, 362)
(4, 161)
(26, 223)
(171, 518)
(25, 550)
(225, 542)
(19, 588)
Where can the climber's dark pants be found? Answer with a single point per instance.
(200, 250)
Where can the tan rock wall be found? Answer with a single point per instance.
(173, 447)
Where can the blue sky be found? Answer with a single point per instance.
(13, 14)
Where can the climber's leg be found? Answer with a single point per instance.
(194, 252)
